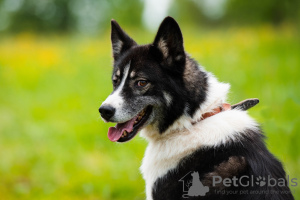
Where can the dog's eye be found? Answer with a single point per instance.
(142, 83)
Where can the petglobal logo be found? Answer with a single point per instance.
(192, 186)
(246, 181)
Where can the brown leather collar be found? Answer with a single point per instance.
(243, 105)
(223, 107)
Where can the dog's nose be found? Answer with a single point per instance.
(107, 111)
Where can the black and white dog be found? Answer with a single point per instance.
(193, 134)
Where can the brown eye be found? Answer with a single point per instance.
(142, 83)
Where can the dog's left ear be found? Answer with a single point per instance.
(120, 41)
(169, 41)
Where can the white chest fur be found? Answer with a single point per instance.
(165, 151)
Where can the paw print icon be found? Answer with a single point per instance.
(261, 181)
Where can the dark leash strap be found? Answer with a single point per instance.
(243, 105)
(246, 104)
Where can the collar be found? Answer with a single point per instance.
(223, 107)
(243, 105)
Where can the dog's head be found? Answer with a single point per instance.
(148, 82)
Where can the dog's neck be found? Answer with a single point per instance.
(215, 98)
(223, 107)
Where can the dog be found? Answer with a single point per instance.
(182, 112)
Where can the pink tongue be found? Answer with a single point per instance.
(115, 133)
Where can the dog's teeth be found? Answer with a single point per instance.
(142, 113)
(125, 133)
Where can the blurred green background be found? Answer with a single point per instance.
(55, 67)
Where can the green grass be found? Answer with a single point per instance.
(53, 144)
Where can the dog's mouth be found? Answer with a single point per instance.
(124, 132)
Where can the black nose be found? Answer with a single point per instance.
(107, 111)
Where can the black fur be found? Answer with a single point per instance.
(169, 73)
(169, 42)
(259, 162)
(117, 34)
(167, 68)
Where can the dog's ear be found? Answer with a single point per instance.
(120, 41)
(169, 41)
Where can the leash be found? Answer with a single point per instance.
(243, 105)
